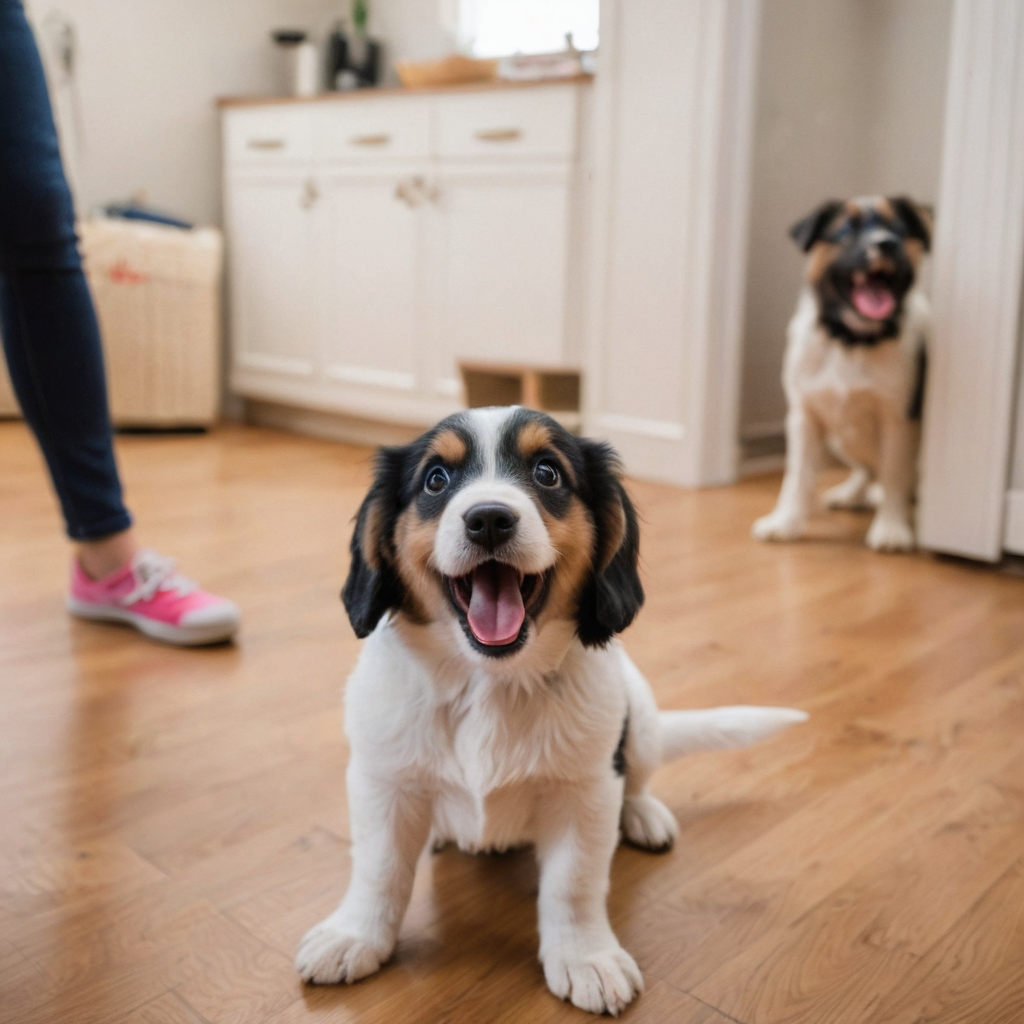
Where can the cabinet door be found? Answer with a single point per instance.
(504, 265)
(273, 302)
(370, 278)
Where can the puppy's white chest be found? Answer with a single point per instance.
(487, 781)
(495, 820)
(496, 758)
(849, 392)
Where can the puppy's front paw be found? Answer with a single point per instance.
(327, 956)
(890, 534)
(778, 526)
(648, 823)
(605, 981)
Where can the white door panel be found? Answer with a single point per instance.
(370, 281)
(505, 267)
(272, 224)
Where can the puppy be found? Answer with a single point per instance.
(854, 367)
(493, 561)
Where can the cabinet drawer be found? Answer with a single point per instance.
(373, 129)
(270, 135)
(534, 122)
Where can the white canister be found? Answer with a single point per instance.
(302, 61)
(305, 69)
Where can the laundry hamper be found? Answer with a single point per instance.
(157, 294)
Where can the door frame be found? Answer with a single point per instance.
(978, 267)
(978, 273)
(697, 444)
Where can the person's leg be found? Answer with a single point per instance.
(65, 405)
(52, 342)
(50, 334)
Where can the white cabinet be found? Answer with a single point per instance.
(380, 239)
(273, 257)
(370, 262)
(505, 258)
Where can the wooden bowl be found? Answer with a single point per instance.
(454, 70)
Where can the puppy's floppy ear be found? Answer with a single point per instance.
(373, 585)
(809, 230)
(613, 594)
(916, 220)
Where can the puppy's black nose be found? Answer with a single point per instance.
(490, 525)
(888, 246)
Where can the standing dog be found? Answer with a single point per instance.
(854, 366)
(493, 561)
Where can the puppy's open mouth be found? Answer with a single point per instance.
(495, 599)
(872, 296)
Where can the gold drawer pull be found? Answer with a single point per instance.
(265, 143)
(499, 134)
(370, 140)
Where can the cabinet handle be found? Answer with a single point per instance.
(370, 140)
(310, 194)
(412, 191)
(499, 134)
(265, 143)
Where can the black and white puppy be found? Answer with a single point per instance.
(854, 366)
(493, 561)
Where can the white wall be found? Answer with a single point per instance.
(850, 102)
(411, 30)
(149, 73)
(1017, 465)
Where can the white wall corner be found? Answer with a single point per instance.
(1013, 530)
(714, 451)
(978, 268)
(673, 127)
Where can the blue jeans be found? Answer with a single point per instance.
(50, 334)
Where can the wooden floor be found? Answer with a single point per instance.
(171, 821)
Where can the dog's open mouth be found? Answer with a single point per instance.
(872, 296)
(495, 599)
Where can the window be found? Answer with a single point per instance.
(497, 28)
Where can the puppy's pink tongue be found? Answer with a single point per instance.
(873, 301)
(496, 610)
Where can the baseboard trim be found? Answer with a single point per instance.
(759, 431)
(1013, 523)
(330, 426)
(758, 465)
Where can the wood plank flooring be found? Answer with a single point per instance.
(171, 821)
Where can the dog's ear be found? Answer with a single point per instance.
(916, 220)
(613, 594)
(373, 585)
(809, 230)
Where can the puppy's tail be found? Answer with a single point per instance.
(685, 732)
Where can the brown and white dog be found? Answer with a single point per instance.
(854, 366)
(493, 561)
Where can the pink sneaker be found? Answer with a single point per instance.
(152, 597)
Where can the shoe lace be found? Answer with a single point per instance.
(155, 573)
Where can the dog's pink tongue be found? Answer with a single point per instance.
(496, 610)
(874, 301)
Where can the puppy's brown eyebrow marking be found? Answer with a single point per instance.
(449, 446)
(533, 437)
(884, 208)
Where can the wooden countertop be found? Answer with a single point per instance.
(356, 94)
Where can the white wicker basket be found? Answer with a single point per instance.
(157, 293)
